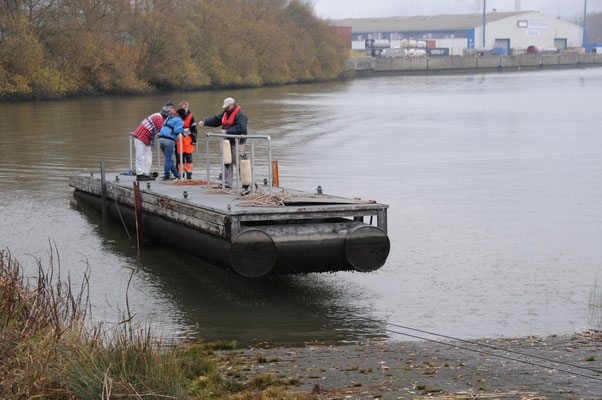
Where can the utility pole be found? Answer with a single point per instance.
(485, 20)
(585, 24)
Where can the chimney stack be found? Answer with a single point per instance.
(517, 6)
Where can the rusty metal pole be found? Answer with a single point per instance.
(138, 208)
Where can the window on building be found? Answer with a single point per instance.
(522, 24)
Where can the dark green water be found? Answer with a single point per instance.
(493, 184)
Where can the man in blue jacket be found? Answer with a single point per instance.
(233, 122)
(172, 127)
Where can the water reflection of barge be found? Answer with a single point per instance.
(308, 234)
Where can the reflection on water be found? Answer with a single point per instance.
(492, 181)
(214, 304)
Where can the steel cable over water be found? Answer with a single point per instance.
(489, 353)
(119, 211)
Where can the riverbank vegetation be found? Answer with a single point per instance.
(56, 48)
(48, 349)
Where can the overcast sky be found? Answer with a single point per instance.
(335, 9)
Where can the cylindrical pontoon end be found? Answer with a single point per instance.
(253, 253)
(367, 248)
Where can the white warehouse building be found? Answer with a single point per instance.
(504, 31)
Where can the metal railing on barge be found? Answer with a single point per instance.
(237, 139)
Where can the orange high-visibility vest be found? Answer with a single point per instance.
(186, 140)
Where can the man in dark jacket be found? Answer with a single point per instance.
(233, 122)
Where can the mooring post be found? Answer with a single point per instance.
(138, 209)
(131, 157)
(103, 191)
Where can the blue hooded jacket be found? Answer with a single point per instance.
(172, 126)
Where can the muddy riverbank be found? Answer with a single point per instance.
(404, 370)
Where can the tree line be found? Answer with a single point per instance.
(54, 48)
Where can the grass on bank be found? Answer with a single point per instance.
(48, 349)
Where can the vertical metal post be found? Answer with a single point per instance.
(224, 166)
(131, 144)
(252, 166)
(181, 155)
(207, 158)
(237, 165)
(484, 21)
(103, 190)
(269, 165)
(158, 157)
(585, 24)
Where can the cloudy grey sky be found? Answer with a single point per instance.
(333, 9)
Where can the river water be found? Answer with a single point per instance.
(493, 183)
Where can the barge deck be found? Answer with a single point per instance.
(306, 233)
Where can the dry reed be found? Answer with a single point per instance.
(48, 350)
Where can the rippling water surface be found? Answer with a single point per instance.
(493, 183)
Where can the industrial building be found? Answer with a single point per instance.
(506, 32)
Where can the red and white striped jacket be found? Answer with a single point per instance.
(150, 126)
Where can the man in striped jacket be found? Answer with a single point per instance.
(144, 138)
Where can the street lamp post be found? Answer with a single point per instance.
(485, 20)
(585, 24)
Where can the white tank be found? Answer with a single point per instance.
(421, 44)
(381, 44)
(227, 152)
(412, 43)
(245, 172)
(412, 52)
(404, 43)
(420, 52)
